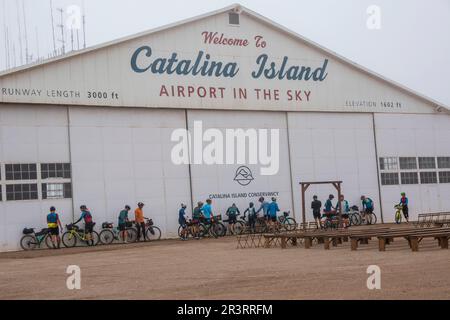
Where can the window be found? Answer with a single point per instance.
(389, 178)
(388, 163)
(55, 170)
(408, 163)
(233, 18)
(409, 177)
(443, 162)
(428, 177)
(427, 163)
(56, 190)
(24, 171)
(21, 192)
(444, 177)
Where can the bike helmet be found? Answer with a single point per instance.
(83, 207)
(261, 199)
(140, 204)
(199, 203)
(314, 197)
(331, 196)
(363, 197)
(183, 205)
(274, 199)
(52, 209)
(127, 207)
(251, 204)
(402, 194)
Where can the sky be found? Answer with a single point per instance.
(408, 42)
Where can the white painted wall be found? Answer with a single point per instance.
(333, 146)
(414, 136)
(211, 179)
(121, 157)
(35, 134)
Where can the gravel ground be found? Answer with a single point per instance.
(215, 269)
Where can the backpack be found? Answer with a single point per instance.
(87, 217)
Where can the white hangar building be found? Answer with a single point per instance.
(95, 126)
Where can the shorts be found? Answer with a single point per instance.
(232, 219)
(316, 214)
(89, 227)
(207, 221)
(345, 215)
(54, 231)
(122, 226)
(195, 221)
(405, 211)
(182, 223)
(368, 210)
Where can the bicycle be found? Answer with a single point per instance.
(74, 233)
(152, 232)
(331, 220)
(31, 239)
(368, 218)
(214, 229)
(398, 213)
(109, 233)
(354, 217)
(239, 226)
(287, 222)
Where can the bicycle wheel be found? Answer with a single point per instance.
(398, 217)
(48, 241)
(289, 224)
(106, 236)
(201, 230)
(239, 227)
(219, 229)
(355, 219)
(211, 232)
(95, 238)
(131, 235)
(28, 242)
(373, 218)
(69, 239)
(153, 233)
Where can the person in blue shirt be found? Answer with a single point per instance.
(207, 211)
(367, 206)
(404, 204)
(328, 207)
(264, 207)
(272, 211)
(88, 224)
(182, 222)
(122, 223)
(54, 225)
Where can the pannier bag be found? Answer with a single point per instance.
(42, 232)
(27, 230)
(128, 224)
(107, 225)
(150, 222)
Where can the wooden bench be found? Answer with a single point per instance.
(425, 220)
(415, 236)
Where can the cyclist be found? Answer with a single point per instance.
(404, 204)
(52, 223)
(123, 219)
(196, 216)
(207, 211)
(88, 224)
(139, 221)
(328, 208)
(232, 213)
(264, 207)
(345, 210)
(367, 206)
(316, 205)
(251, 216)
(272, 211)
(182, 222)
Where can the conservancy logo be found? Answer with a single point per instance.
(243, 176)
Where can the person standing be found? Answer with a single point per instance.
(123, 219)
(139, 221)
(182, 222)
(272, 211)
(54, 224)
(232, 213)
(196, 216)
(367, 206)
(264, 207)
(404, 204)
(251, 216)
(207, 211)
(316, 205)
(345, 210)
(88, 224)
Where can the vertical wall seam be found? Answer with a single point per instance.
(290, 163)
(376, 163)
(189, 157)
(70, 160)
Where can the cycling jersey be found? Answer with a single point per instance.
(196, 213)
(264, 207)
(123, 216)
(328, 205)
(232, 211)
(52, 220)
(207, 211)
(404, 201)
(345, 206)
(273, 209)
(367, 203)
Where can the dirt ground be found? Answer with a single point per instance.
(215, 269)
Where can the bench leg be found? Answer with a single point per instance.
(345, 239)
(294, 241)
(382, 244)
(320, 240)
(444, 243)
(326, 243)
(283, 242)
(266, 243)
(307, 242)
(414, 244)
(354, 244)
